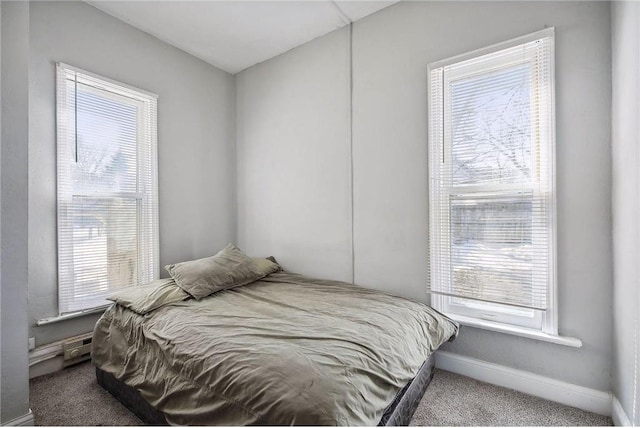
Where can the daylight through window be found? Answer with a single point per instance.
(491, 150)
(107, 188)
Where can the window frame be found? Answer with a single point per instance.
(544, 322)
(145, 195)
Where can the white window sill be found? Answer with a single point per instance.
(517, 331)
(71, 315)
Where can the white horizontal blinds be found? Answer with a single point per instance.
(491, 185)
(439, 262)
(107, 192)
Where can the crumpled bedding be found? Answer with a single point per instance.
(284, 350)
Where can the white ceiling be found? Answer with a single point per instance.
(234, 35)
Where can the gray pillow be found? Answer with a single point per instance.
(227, 269)
(265, 266)
(143, 299)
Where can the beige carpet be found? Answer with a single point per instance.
(454, 400)
(72, 397)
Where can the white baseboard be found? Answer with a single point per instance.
(21, 421)
(45, 360)
(44, 353)
(48, 359)
(620, 418)
(561, 392)
(46, 367)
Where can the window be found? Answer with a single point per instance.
(107, 188)
(491, 188)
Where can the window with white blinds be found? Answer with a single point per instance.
(107, 188)
(491, 194)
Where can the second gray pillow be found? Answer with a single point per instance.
(227, 269)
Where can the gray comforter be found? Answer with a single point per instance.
(283, 350)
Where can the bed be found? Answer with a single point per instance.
(283, 350)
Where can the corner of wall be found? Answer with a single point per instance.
(620, 418)
(234, 179)
(625, 140)
(14, 50)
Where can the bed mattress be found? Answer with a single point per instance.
(283, 350)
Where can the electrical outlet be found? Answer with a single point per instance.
(32, 343)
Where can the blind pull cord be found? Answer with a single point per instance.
(443, 107)
(75, 114)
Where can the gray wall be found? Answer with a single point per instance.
(196, 134)
(625, 20)
(294, 198)
(391, 50)
(14, 393)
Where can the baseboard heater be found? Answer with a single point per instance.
(72, 350)
(76, 351)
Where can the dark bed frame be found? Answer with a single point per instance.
(398, 413)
